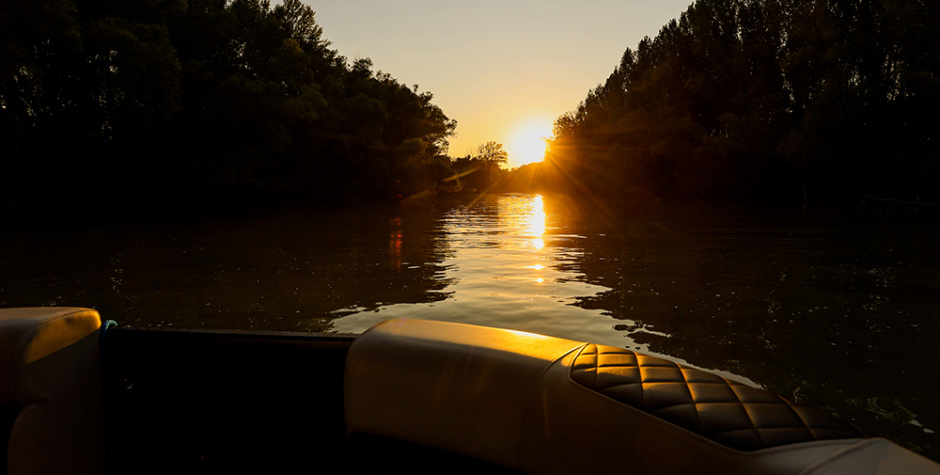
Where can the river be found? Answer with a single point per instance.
(835, 309)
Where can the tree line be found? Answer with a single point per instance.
(218, 101)
(193, 101)
(775, 99)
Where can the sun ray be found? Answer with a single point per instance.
(528, 141)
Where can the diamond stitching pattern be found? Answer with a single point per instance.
(724, 411)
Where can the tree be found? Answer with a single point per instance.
(492, 152)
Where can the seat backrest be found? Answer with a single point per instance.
(50, 392)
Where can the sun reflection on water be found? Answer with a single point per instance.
(507, 261)
(535, 221)
(535, 227)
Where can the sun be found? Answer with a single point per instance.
(527, 142)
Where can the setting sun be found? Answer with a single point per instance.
(527, 142)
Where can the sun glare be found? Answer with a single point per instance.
(527, 143)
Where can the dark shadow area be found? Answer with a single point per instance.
(236, 402)
(289, 268)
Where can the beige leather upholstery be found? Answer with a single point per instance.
(449, 389)
(51, 373)
(545, 405)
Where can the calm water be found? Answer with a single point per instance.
(837, 310)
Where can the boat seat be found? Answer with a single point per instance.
(727, 412)
(538, 404)
(50, 391)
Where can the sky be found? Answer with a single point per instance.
(503, 69)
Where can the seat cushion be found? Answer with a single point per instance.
(727, 412)
(30, 334)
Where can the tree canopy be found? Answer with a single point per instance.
(492, 152)
(219, 100)
(767, 98)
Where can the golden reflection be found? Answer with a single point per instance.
(535, 226)
(535, 223)
(395, 243)
(526, 216)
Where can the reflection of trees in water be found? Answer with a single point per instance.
(834, 315)
(285, 270)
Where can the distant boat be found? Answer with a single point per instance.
(407, 395)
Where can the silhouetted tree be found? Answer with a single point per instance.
(492, 152)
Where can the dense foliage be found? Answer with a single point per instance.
(827, 99)
(184, 101)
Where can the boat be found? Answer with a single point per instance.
(80, 395)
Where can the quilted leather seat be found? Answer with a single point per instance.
(724, 411)
(544, 405)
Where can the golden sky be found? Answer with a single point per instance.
(498, 67)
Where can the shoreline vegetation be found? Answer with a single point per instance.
(209, 103)
(215, 104)
(803, 101)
